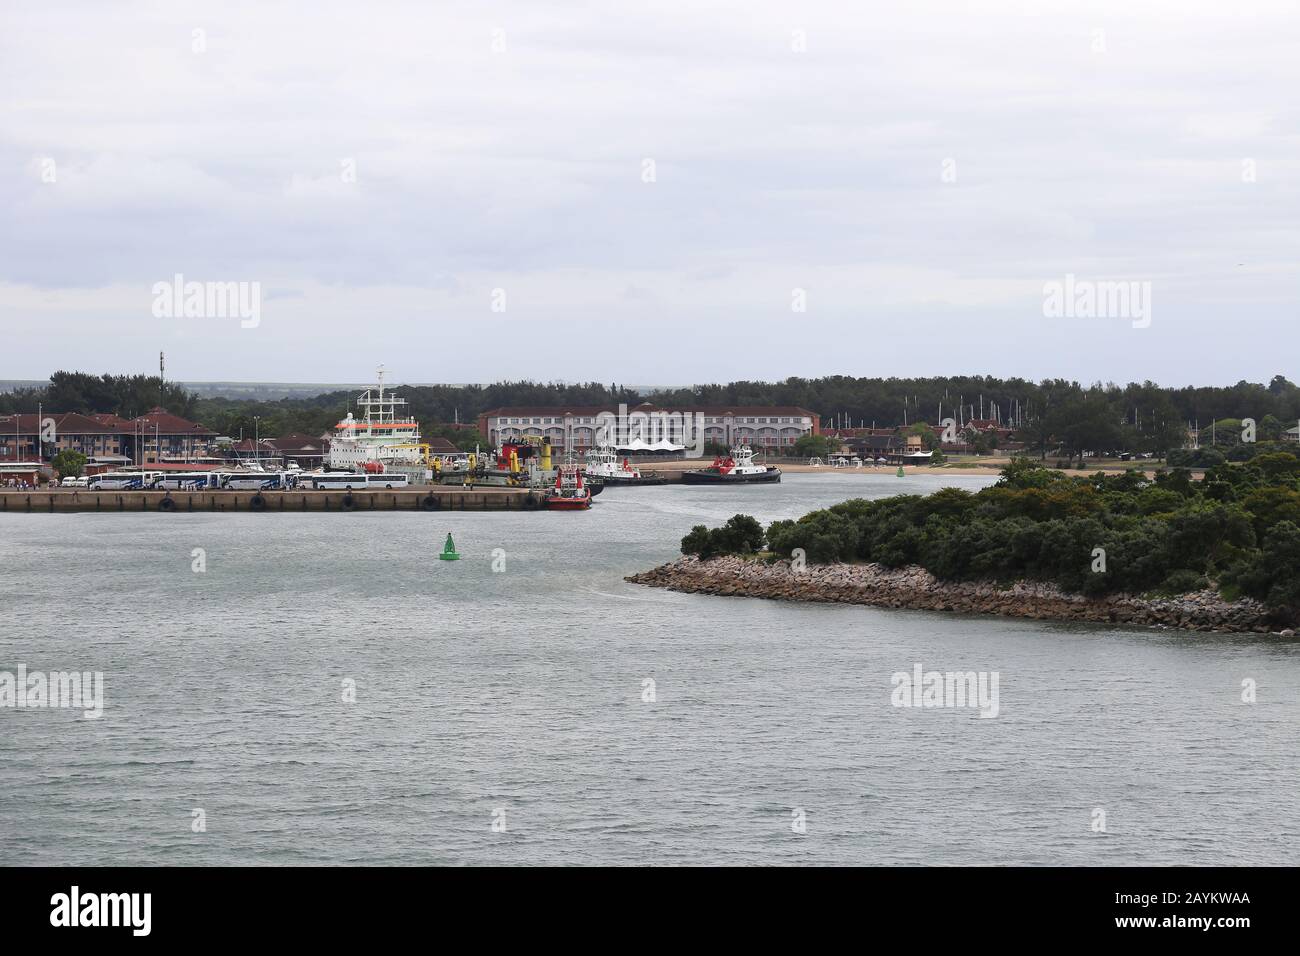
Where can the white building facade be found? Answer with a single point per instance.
(580, 428)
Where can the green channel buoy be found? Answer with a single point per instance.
(449, 550)
(900, 472)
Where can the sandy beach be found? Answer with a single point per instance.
(989, 467)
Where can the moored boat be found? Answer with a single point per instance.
(386, 437)
(516, 464)
(735, 468)
(569, 493)
(604, 463)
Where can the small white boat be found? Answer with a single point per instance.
(605, 464)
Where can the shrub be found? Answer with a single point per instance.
(1027, 473)
(699, 542)
(1195, 458)
(1239, 525)
(740, 535)
(824, 536)
(1183, 581)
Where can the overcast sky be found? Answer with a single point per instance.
(381, 168)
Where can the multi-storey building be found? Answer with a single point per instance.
(154, 436)
(578, 427)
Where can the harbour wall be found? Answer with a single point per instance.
(431, 498)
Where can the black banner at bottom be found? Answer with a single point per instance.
(332, 906)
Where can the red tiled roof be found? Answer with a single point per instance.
(117, 421)
(555, 411)
(442, 446)
(65, 423)
(169, 424)
(299, 444)
(21, 423)
(859, 432)
(73, 424)
(550, 411)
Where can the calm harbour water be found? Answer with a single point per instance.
(522, 690)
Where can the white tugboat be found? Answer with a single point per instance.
(735, 468)
(605, 464)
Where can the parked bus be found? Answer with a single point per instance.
(117, 481)
(186, 481)
(338, 481)
(350, 481)
(258, 481)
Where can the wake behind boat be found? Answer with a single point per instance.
(736, 468)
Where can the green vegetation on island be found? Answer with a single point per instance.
(1237, 529)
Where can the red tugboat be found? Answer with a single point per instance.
(568, 493)
(735, 468)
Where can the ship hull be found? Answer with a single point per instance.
(705, 477)
(503, 479)
(568, 504)
(619, 480)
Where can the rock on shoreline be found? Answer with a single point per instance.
(914, 587)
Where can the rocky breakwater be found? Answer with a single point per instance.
(915, 588)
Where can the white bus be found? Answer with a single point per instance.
(350, 481)
(257, 481)
(186, 481)
(337, 481)
(121, 480)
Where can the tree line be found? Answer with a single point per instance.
(1049, 416)
(129, 396)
